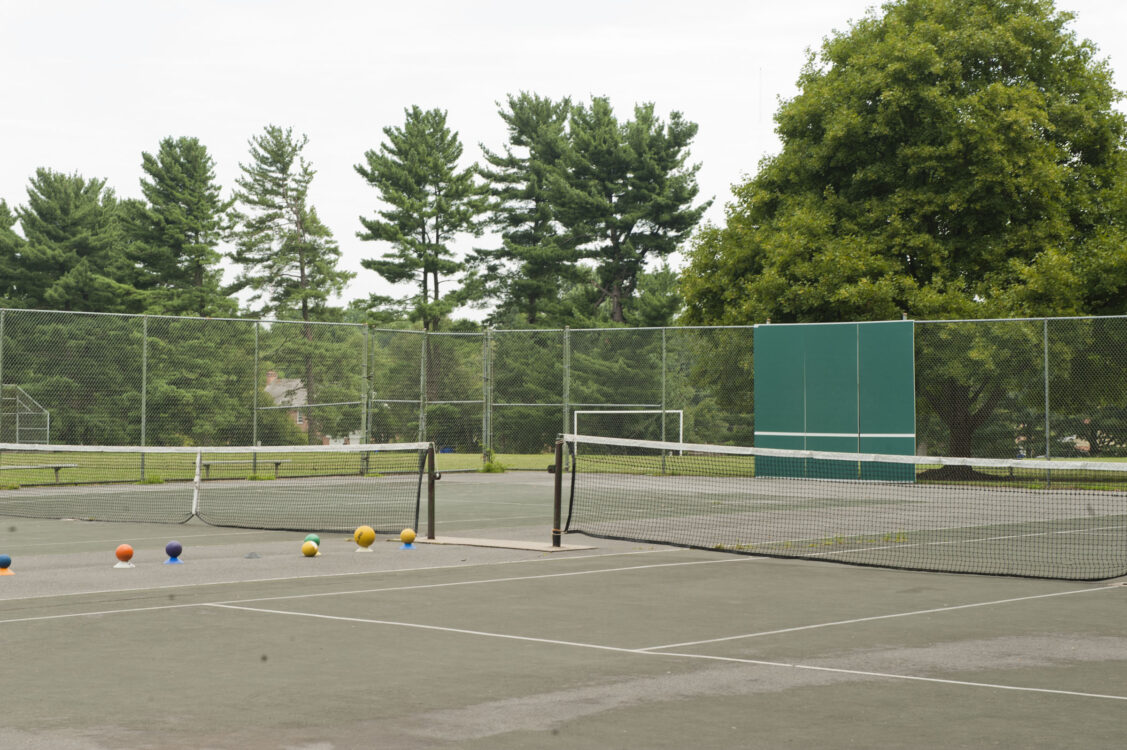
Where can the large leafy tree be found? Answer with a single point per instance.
(623, 193)
(428, 202)
(73, 258)
(944, 159)
(176, 232)
(955, 158)
(527, 272)
(288, 256)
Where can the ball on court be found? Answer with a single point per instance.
(5, 562)
(173, 549)
(313, 538)
(407, 536)
(124, 552)
(364, 536)
(309, 548)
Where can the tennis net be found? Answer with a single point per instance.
(1034, 518)
(327, 488)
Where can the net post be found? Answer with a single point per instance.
(430, 491)
(196, 486)
(557, 495)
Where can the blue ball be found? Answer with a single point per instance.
(5, 561)
(173, 549)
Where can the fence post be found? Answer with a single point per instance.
(365, 390)
(1048, 436)
(566, 380)
(486, 401)
(423, 388)
(663, 362)
(144, 385)
(2, 313)
(254, 406)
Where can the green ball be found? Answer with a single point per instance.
(313, 538)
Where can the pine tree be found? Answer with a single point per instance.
(429, 202)
(11, 245)
(526, 273)
(73, 258)
(176, 235)
(288, 256)
(624, 194)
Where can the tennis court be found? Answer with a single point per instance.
(623, 644)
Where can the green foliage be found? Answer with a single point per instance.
(528, 271)
(11, 245)
(623, 193)
(288, 257)
(584, 204)
(73, 258)
(176, 233)
(429, 202)
(945, 158)
(492, 465)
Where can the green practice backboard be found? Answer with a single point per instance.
(845, 387)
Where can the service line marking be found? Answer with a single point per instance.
(658, 654)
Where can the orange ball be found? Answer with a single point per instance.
(124, 552)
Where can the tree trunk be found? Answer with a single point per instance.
(955, 403)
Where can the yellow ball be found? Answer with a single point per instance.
(407, 536)
(309, 548)
(364, 536)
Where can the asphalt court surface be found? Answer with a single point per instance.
(251, 645)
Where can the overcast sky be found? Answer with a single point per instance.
(88, 85)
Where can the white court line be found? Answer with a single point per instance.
(510, 579)
(595, 646)
(876, 617)
(556, 558)
(74, 543)
(94, 614)
(893, 676)
(420, 626)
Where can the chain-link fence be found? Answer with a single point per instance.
(1052, 387)
(994, 389)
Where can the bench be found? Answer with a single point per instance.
(56, 467)
(276, 461)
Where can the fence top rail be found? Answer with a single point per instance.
(192, 450)
(140, 316)
(286, 321)
(922, 321)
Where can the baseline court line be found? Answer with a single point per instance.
(347, 574)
